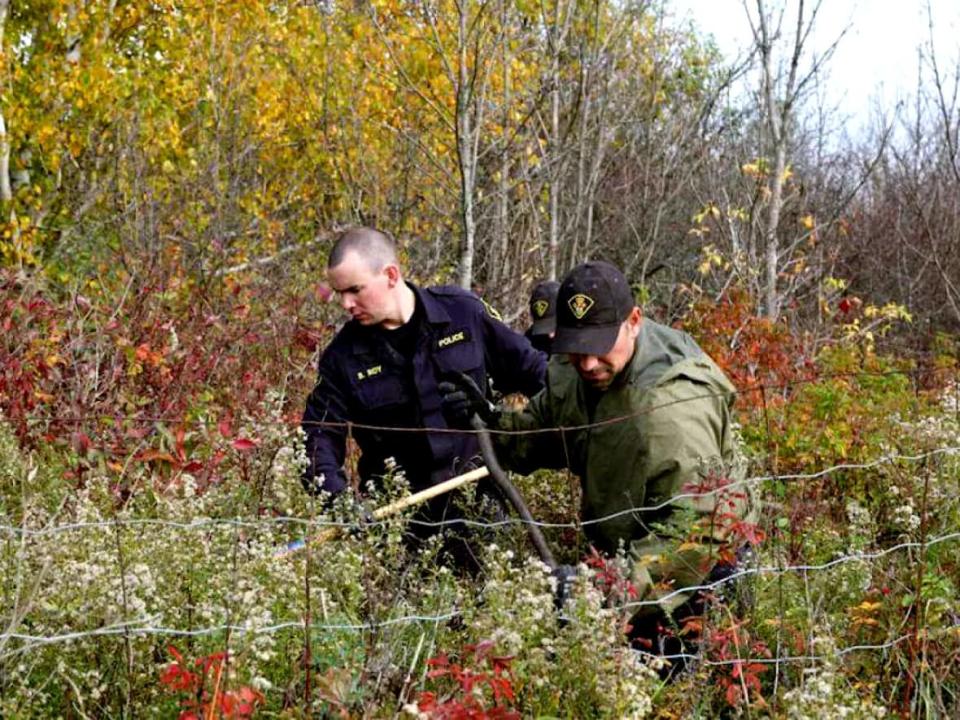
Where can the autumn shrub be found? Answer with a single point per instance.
(149, 475)
(879, 575)
(764, 359)
(516, 614)
(858, 449)
(155, 377)
(179, 555)
(825, 692)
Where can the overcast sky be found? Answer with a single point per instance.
(876, 59)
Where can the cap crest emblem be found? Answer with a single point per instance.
(579, 305)
(540, 308)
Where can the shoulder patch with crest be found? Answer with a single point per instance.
(491, 311)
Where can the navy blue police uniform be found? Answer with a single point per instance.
(382, 379)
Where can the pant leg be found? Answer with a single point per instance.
(677, 635)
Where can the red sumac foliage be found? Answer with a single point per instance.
(478, 693)
(202, 688)
(754, 352)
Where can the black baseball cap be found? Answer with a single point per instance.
(593, 301)
(543, 307)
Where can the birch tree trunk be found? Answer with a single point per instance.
(559, 25)
(6, 192)
(781, 92)
(777, 119)
(501, 269)
(553, 242)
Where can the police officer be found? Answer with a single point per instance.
(649, 424)
(382, 369)
(543, 311)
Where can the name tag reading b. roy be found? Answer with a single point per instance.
(369, 372)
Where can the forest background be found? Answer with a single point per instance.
(171, 175)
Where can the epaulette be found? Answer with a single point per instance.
(449, 290)
(457, 291)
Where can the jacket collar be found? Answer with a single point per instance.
(433, 311)
(658, 347)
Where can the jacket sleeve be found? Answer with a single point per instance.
(525, 442)
(683, 437)
(325, 444)
(513, 363)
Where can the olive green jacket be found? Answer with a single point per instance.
(661, 430)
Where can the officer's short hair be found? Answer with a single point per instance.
(374, 246)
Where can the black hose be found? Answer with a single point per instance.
(511, 492)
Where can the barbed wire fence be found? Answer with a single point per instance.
(16, 640)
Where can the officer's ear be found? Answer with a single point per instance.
(393, 275)
(634, 319)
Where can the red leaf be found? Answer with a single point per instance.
(179, 446)
(244, 444)
(501, 663)
(427, 701)
(192, 467)
(440, 660)
(82, 442)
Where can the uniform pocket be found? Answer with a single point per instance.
(458, 352)
(381, 391)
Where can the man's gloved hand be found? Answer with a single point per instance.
(461, 397)
(565, 575)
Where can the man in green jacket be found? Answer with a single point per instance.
(643, 417)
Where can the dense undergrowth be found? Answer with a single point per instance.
(149, 463)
